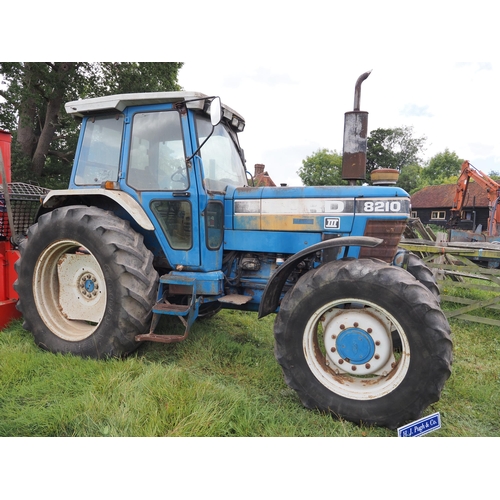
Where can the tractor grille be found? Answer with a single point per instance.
(24, 202)
(388, 230)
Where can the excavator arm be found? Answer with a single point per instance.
(491, 187)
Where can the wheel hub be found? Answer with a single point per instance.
(357, 342)
(82, 290)
(356, 346)
(88, 285)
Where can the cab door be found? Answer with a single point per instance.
(156, 174)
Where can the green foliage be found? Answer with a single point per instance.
(323, 168)
(130, 77)
(393, 148)
(443, 168)
(44, 136)
(410, 178)
(222, 381)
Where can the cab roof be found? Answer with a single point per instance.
(118, 102)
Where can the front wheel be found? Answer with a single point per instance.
(334, 340)
(86, 283)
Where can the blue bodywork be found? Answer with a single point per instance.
(216, 239)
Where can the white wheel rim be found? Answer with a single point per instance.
(377, 372)
(68, 308)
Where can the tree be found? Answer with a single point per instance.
(410, 178)
(393, 148)
(443, 168)
(44, 136)
(323, 168)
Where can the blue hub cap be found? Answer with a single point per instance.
(89, 285)
(355, 345)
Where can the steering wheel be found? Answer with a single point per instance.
(178, 176)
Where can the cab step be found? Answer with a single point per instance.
(186, 313)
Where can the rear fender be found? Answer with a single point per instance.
(271, 296)
(65, 197)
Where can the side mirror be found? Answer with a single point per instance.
(215, 111)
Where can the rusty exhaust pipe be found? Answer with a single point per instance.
(355, 138)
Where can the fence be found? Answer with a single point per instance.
(470, 266)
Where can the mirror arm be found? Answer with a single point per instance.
(215, 119)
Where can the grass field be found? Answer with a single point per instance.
(222, 381)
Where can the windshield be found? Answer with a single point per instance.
(222, 164)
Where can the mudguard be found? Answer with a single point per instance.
(272, 292)
(59, 197)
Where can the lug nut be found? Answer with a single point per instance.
(367, 366)
(356, 325)
(333, 349)
(353, 368)
(369, 330)
(341, 361)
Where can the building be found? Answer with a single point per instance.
(261, 177)
(433, 204)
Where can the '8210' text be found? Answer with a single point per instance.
(383, 206)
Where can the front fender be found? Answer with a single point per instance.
(271, 295)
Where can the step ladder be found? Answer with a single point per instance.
(187, 314)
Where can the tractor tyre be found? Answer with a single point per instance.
(416, 267)
(333, 340)
(86, 283)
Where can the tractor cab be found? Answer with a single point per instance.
(174, 154)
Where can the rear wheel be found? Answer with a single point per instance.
(86, 283)
(334, 340)
(417, 268)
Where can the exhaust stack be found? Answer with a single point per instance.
(355, 138)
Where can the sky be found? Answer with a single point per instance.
(290, 67)
(294, 108)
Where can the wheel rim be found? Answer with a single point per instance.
(69, 290)
(348, 347)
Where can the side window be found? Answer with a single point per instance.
(175, 219)
(157, 159)
(214, 224)
(99, 157)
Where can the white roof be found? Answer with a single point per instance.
(120, 101)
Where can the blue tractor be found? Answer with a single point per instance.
(161, 218)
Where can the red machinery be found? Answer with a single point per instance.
(8, 255)
(492, 189)
(19, 204)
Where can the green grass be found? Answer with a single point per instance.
(222, 381)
